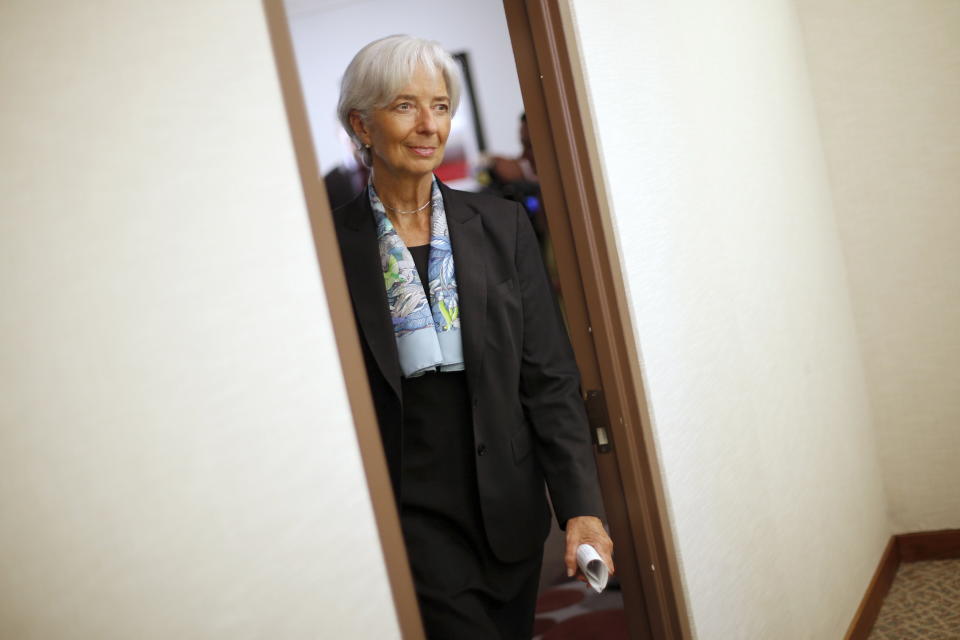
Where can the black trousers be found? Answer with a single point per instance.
(465, 592)
(455, 605)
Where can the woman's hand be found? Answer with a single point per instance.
(587, 530)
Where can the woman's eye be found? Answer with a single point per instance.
(404, 106)
(442, 107)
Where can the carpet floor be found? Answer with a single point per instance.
(923, 603)
(573, 611)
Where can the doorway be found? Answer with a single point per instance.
(570, 189)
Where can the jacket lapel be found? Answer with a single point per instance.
(466, 238)
(361, 261)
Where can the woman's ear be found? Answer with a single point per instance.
(359, 127)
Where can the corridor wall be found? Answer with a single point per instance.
(722, 208)
(177, 456)
(886, 77)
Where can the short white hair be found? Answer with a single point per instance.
(382, 69)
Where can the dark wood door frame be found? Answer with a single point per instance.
(344, 328)
(571, 179)
(598, 317)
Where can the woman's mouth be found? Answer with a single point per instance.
(424, 152)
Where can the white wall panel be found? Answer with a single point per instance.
(886, 76)
(177, 457)
(738, 290)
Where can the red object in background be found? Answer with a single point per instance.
(596, 625)
(540, 625)
(453, 170)
(455, 165)
(554, 599)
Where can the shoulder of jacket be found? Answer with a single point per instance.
(343, 209)
(495, 211)
(485, 201)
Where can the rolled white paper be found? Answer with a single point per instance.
(593, 567)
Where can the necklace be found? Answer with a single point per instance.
(406, 212)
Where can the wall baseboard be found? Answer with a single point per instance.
(929, 545)
(869, 607)
(904, 547)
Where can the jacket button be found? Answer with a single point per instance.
(482, 450)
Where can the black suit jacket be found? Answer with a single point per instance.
(529, 422)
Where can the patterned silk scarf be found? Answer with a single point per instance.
(426, 320)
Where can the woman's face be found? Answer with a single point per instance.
(407, 137)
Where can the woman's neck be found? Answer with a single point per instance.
(399, 193)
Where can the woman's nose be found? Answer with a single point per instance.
(428, 121)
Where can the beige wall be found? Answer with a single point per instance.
(886, 76)
(739, 297)
(176, 456)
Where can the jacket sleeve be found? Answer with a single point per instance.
(550, 389)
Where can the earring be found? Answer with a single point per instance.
(367, 146)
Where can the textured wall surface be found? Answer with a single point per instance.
(177, 459)
(886, 76)
(739, 298)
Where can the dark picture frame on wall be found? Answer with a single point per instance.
(467, 140)
(470, 93)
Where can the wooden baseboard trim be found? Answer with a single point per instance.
(903, 547)
(929, 545)
(873, 599)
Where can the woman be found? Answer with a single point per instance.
(472, 375)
